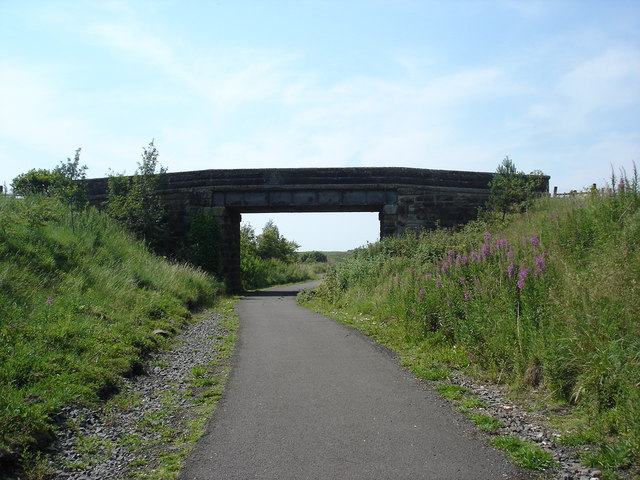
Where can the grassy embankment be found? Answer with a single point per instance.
(79, 302)
(547, 302)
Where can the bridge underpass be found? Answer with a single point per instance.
(321, 231)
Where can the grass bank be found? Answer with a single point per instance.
(81, 302)
(546, 301)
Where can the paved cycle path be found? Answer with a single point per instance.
(309, 398)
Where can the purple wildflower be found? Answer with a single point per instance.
(439, 282)
(522, 277)
(465, 260)
(502, 244)
(622, 184)
(510, 269)
(510, 254)
(540, 264)
(474, 255)
(427, 276)
(421, 295)
(534, 241)
(487, 237)
(486, 250)
(50, 299)
(467, 296)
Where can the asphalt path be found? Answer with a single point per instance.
(309, 398)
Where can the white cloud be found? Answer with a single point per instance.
(609, 80)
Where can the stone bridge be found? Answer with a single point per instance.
(405, 198)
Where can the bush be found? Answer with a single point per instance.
(134, 201)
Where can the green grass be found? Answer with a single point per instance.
(79, 302)
(335, 257)
(259, 273)
(546, 302)
(486, 423)
(450, 391)
(205, 387)
(524, 454)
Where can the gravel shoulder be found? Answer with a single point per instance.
(149, 427)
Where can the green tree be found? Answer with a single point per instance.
(34, 182)
(314, 256)
(64, 182)
(270, 244)
(248, 241)
(70, 186)
(134, 200)
(512, 191)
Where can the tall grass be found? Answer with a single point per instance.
(79, 302)
(548, 299)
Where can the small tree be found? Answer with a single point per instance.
(273, 245)
(64, 182)
(315, 256)
(34, 182)
(70, 186)
(512, 191)
(134, 201)
(248, 241)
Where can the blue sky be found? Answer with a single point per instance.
(555, 85)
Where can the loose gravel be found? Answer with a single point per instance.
(120, 438)
(528, 426)
(114, 443)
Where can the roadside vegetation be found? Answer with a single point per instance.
(85, 295)
(542, 295)
(270, 259)
(80, 300)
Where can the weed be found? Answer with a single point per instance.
(451, 391)
(485, 422)
(473, 401)
(523, 453)
(34, 466)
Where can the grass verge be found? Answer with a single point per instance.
(81, 303)
(545, 302)
(178, 430)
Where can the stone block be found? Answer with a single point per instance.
(353, 198)
(304, 198)
(329, 197)
(256, 199)
(280, 198)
